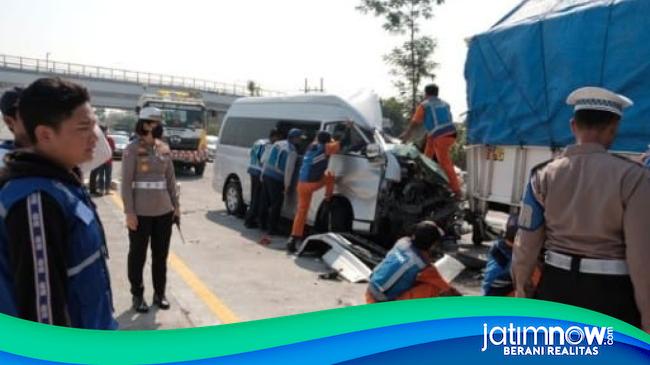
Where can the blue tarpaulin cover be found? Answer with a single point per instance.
(521, 70)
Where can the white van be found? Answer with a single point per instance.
(370, 196)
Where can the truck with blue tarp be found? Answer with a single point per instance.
(519, 74)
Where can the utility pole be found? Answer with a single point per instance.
(308, 89)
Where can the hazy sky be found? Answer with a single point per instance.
(277, 43)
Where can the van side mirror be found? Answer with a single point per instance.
(373, 151)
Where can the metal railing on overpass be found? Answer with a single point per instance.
(138, 77)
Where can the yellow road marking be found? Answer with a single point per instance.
(117, 200)
(213, 302)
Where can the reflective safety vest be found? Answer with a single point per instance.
(397, 272)
(256, 156)
(314, 163)
(89, 301)
(497, 279)
(278, 160)
(437, 117)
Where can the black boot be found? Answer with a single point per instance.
(139, 305)
(292, 243)
(161, 301)
(250, 224)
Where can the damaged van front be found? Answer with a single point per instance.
(392, 186)
(419, 191)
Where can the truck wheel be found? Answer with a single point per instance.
(478, 231)
(199, 169)
(233, 198)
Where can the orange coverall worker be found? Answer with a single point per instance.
(313, 176)
(435, 114)
(428, 284)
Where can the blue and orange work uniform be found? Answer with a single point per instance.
(313, 176)
(435, 114)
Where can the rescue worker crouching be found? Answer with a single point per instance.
(407, 271)
(151, 206)
(258, 153)
(497, 280)
(277, 176)
(52, 245)
(589, 210)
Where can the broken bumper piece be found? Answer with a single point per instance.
(352, 257)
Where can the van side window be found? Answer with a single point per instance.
(243, 132)
(310, 129)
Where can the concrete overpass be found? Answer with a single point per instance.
(118, 88)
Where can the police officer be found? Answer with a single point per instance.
(277, 175)
(151, 206)
(435, 114)
(9, 109)
(589, 210)
(257, 153)
(52, 245)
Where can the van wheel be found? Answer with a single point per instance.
(338, 215)
(233, 198)
(199, 169)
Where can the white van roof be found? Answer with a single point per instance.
(317, 107)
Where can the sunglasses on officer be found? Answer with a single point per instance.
(154, 129)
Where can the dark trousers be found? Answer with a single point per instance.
(256, 194)
(271, 204)
(108, 176)
(100, 178)
(159, 229)
(609, 294)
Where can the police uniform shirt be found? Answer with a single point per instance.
(592, 204)
(148, 179)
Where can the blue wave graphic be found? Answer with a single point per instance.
(455, 341)
(7, 358)
(456, 351)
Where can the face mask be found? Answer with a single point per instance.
(157, 131)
